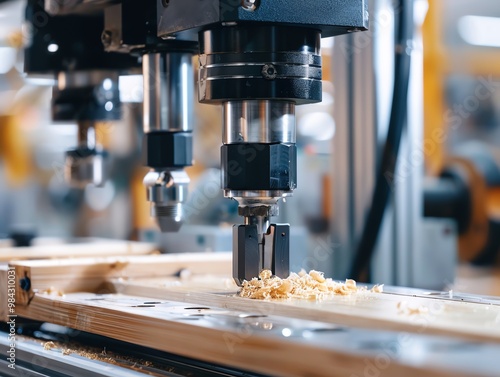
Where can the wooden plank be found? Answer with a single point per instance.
(7, 293)
(393, 312)
(153, 276)
(3, 293)
(131, 315)
(85, 249)
(237, 346)
(91, 274)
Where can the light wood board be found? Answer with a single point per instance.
(394, 312)
(246, 345)
(153, 276)
(116, 283)
(96, 248)
(91, 274)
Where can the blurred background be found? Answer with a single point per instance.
(461, 121)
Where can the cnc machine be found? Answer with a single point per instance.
(130, 312)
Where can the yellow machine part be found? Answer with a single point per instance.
(14, 150)
(440, 61)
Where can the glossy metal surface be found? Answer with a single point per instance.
(257, 121)
(167, 191)
(256, 197)
(168, 91)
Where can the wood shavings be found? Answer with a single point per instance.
(53, 291)
(90, 355)
(312, 286)
(94, 354)
(406, 309)
(378, 288)
(48, 346)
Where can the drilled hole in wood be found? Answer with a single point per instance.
(324, 330)
(252, 315)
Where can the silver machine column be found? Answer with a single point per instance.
(168, 125)
(364, 75)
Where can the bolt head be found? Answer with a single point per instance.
(249, 5)
(25, 284)
(269, 72)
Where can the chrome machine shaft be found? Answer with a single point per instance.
(168, 122)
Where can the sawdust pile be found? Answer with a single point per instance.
(94, 354)
(311, 286)
(84, 352)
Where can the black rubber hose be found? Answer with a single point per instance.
(386, 170)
